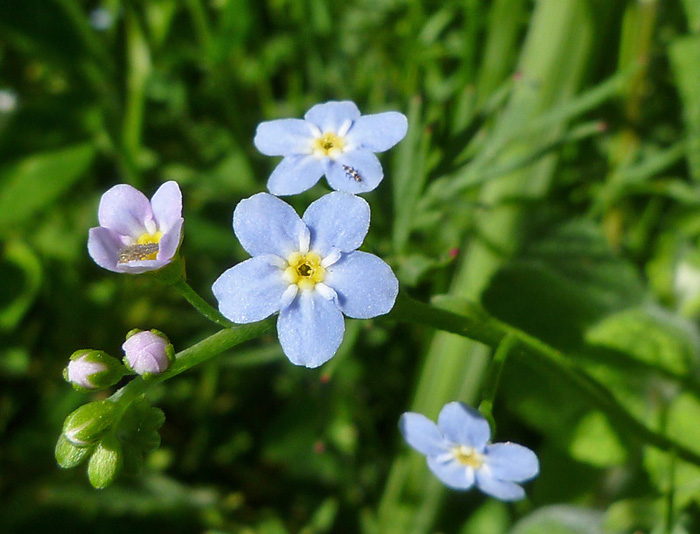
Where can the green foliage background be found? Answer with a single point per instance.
(550, 174)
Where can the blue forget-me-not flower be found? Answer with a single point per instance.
(460, 455)
(308, 269)
(137, 235)
(332, 139)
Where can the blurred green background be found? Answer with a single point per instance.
(551, 173)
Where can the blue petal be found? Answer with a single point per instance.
(464, 425)
(451, 472)
(378, 132)
(310, 329)
(264, 224)
(283, 137)
(337, 221)
(513, 462)
(422, 434)
(366, 286)
(503, 490)
(355, 171)
(331, 116)
(251, 290)
(295, 174)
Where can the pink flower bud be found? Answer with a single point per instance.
(147, 352)
(81, 370)
(93, 369)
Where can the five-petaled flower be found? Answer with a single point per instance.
(136, 235)
(308, 270)
(332, 139)
(459, 454)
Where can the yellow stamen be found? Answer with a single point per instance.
(328, 145)
(145, 248)
(468, 457)
(304, 270)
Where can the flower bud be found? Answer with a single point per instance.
(93, 369)
(106, 462)
(147, 352)
(89, 422)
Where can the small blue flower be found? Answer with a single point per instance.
(308, 270)
(332, 139)
(459, 454)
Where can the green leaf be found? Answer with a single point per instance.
(563, 283)
(561, 520)
(632, 515)
(692, 12)
(685, 60)
(682, 425)
(492, 517)
(409, 175)
(32, 183)
(21, 273)
(650, 335)
(596, 443)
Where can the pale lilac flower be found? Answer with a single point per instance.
(332, 139)
(136, 235)
(147, 352)
(307, 269)
(460, 455)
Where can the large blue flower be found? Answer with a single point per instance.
(332, 139)
(459, 454)
(308, 270)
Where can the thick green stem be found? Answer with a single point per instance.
(475, 324)
(194, 355)
(199, 304)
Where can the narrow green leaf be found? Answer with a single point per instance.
(21, 272)
(30, 184)
(685, 61)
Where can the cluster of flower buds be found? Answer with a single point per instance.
(113, 437)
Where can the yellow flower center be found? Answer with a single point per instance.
(304, 270)
(468, 457)
(328, 145)
(145, 248)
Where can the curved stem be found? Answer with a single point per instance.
(201, 305)
(476, 324)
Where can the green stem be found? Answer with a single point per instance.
(199, 304)
(192, 356)
(477, 325)
(493, 378)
